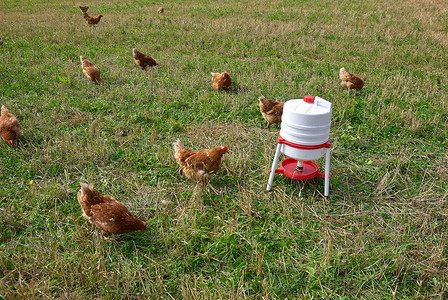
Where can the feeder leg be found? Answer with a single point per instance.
(327, 173)
(274, 166)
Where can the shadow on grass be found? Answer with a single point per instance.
(149, 241)
(237, 88)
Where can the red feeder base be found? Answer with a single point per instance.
(310, 170)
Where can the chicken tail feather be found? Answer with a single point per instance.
(178, 145)
(86, 188)
(88, 194)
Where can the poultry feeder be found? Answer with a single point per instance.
(304, 137)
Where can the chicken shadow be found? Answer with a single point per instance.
(237, 89)
(149, 241)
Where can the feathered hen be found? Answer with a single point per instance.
(143, 60)
(90, 70)
(271, 110)
(221, 81)
(108, 214)
(10, 128)
(350, 81)
(199, 164)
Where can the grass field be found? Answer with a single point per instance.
(382, 234)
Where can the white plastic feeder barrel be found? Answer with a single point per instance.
(304, 136)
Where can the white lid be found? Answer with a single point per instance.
(299, 112)
(299, 106)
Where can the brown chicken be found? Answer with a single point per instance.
(350, 81)
(84, 10)
(91, 72)
(9, 127)
(221, 81)
(92, 20)
(108, 214)
(271, 110)
(199, 164)
(143, 60)
(160, 10)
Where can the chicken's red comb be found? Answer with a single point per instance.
(224, 149)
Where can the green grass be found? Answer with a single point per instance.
(381, 235)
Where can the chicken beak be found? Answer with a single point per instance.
(11, 143)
